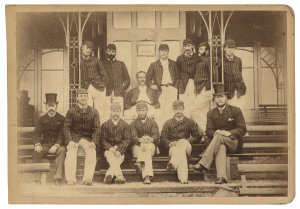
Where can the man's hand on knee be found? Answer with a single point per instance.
(223, 133)
(173, 144)
(38, 148)
(71, 145)
(53, 149)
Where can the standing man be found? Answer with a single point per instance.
(162, 76)
(177, 135)
(115, 138)
(48, 139)
(186, 64)
(118, 76)
(141, 93)
(145, 137)
(233, 78)
(202, 88)
(81, 128)
(94, 79)
(225, 126)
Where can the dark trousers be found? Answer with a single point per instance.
(59, 161)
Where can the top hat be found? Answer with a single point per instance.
(51, 98)
(24, 96)
(219, 89)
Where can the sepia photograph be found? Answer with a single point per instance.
(157, 104)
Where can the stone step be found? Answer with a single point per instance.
(160, 175)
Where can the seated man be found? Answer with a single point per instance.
(225, 126)
(81, 128)
(48, 138)
(144, 135)
(141, 93)
(177, 134)
(115, 138)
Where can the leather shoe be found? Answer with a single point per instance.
(184, 181)
(147, 180)
(170, 167)
(120, 180)
(70, 183)
(87, 182)
(197, 167)
(57, 182)
(138, 167)
(221, 180)
(108, 179)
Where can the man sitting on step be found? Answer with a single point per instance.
(225, 126)
(177, 134)
(145, 137)
(115, 138)
(140, 93)
(81, 128)
(48, 139)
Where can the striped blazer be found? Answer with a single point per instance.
(118, 77)
(233, 79)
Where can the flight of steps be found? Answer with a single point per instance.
(265, 144)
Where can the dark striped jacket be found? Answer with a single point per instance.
(174, 130)
(155, 73)
(186, 68)
(118, 77)
(133, 95)
(202, 75)
(115, 135)
(140, 129)
(233, 79)
(93, 72)
(49, 130)
(81, 123)
(231, 119)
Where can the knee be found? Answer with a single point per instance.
(135, 150)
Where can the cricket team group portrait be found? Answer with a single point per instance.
(154, 103)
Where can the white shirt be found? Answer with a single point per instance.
(221, 109)
(166, 77)
(143, 94)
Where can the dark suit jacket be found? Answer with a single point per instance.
(155, 73)
(231, 119)
(49, 130)
(133, 95)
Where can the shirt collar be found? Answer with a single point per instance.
(115, 123)
(222, 108)
(229, 58)
(142, 87)
(111, 60)
(51, 116)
